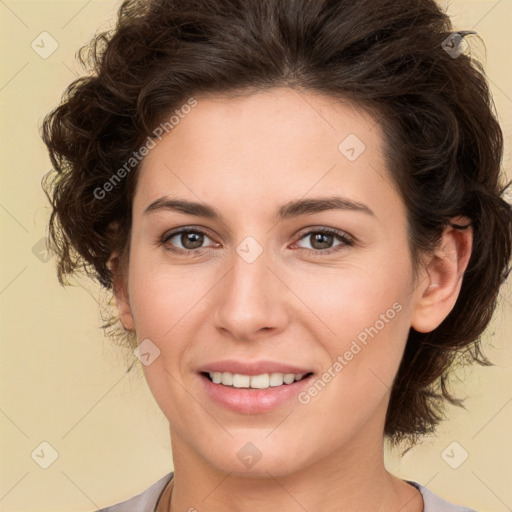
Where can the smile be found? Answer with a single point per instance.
(262, 381)
(253, 394)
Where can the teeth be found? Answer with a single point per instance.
(276, 379)
(239, 381)
(262, 381)
(227, 379)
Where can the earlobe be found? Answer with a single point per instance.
(440, 285)
(120, 291)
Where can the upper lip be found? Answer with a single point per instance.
(252, 368)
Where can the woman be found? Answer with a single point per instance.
(298, 208)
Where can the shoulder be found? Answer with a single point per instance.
(434, 503)
(145, 501)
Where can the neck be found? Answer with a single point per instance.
(352, 479)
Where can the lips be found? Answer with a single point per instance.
(255, 387)
(253, 368)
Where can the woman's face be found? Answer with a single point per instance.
(303, 270)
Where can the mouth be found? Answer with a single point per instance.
(262, 381)
(253, 387)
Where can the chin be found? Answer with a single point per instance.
(244, 458)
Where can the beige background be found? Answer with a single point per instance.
(63, 382)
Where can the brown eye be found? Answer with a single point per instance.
(185, 240)
(191, 240)
(322, 241)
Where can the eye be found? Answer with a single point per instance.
(185, 241)
(189, 241)
(321, 241)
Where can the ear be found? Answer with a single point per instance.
(441, 280)
(119, 288)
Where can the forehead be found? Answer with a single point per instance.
(280, 143)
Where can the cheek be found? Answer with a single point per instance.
(371, 327)
(350, 300)
(161, 298)
(367, 311)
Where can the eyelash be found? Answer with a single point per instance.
(342, 237)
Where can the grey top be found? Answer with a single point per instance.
(146, 501)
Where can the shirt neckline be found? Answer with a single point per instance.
(169, 484)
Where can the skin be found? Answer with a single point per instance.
(246, 157)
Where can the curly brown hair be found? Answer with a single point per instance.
(398, 59)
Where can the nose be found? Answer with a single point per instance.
(251, 300)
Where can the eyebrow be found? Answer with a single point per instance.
(289, 210)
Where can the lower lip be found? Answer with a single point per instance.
(253, 401)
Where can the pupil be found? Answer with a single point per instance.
(191, 240)
(325, 237)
